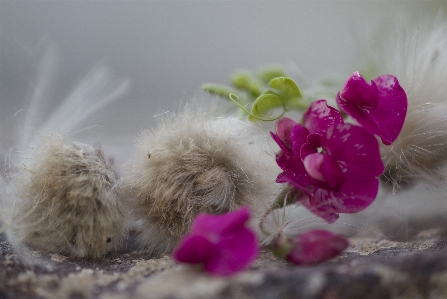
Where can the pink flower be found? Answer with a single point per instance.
(336, 165)
(310, 248)
(380, 107)
(222, 243)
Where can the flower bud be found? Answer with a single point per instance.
(310, 248)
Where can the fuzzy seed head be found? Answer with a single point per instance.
(415, 51)
(194, 164)
(69, 201)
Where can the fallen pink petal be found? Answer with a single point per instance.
(224, 244)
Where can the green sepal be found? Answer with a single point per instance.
(287, 196)
(281, 247)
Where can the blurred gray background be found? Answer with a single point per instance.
(168, 49)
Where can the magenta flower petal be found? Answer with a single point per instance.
(314, 139)
(315, 247)
(210, 225)
(323, 168)
(359, 92)
(298, 137)
(319, 117)
(222, 243)
(294, 172)
(332, 173)
(280, 143)
(387, 117)
(321, 206)
(313, 164)
(354, 149)
(234, 254)
(194, 250)
(306, 150)
(356, 193)
(283, 128)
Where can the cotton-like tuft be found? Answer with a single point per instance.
(59, 195)
(69, 201)
(196, 163)
(415, 51)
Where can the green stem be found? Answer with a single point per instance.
(261, 223)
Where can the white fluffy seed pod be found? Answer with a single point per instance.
(194, 163)
(415, 51)
(69, 201)
(57, 195)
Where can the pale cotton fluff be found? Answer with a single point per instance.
(69, 201)
(415, 51)
(60, 195)
(196, 163)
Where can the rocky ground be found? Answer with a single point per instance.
(414, 266)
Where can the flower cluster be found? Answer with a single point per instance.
(332, 167)
(335, 164)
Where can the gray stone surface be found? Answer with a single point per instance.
(372, 267)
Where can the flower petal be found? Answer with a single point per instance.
(298, 137)
(355, 195)
(355, 149)
(194, 250)
(313, 164)
(223, 243)
(322, 205)
(316, 246)
(314, 139)
(236, 252)
(359, 92)
(281, 144)
(283, 128)
(211, 226)
(332, 173)
(294, 171)
(319, 117)
(323, 168)
(307, 150)
(387, 118)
